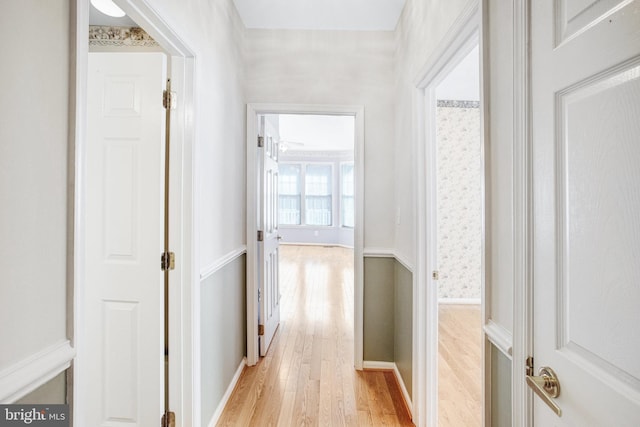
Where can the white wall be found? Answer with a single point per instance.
(33, 176)
(336, 67)
(421, 27)
(215, 32)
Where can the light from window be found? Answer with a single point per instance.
(318, 195)
(289, 195)
(347, 194)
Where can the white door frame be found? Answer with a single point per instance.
(253, 110)
(463, 35)
(184, 327)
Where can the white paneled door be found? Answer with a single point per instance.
(268, 243)
(586, 180)
(124, 187)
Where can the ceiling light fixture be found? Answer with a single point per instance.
(108, 7)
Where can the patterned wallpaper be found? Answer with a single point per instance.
(119, 36)
(459, 199)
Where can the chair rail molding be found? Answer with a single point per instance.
(30, 373)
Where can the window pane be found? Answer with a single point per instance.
(289, 194)
(348, 201)
(318, 195)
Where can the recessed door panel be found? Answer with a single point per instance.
(599, 182)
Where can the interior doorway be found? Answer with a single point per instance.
(449, 114)
(459, 243)
(313, 197)
(119, 372)
(307, 174)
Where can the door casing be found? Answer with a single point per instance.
(457, 43)
(253, 110)
(184, 340)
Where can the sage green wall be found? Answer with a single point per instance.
(379, 307)
(52, 392)
(500, 388)
(388, 314)
(223, 332)
(403, 323)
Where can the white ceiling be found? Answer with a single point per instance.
(359, 15)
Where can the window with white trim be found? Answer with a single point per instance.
(347, 195)
(318, 195)
(289, 195)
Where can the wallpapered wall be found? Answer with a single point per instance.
(459, 199)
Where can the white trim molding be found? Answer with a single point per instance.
(388, 253)
(461, 301)
(227, 394)
(500, 337)
(221, 262)
(30, 373)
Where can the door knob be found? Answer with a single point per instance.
(547, 386)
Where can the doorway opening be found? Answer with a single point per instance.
(450, 240)
(458, 177)
(304, 203)
(123, 332)
(314, 212)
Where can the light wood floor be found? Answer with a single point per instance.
(307, 377)
(459, 366)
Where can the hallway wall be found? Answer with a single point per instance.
(335, 67)
(421, 27)
(35, 256)
(213, 29)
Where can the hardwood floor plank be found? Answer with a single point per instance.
(459, 366)
(307, 377)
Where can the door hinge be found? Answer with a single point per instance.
(167, 261)
(435, 275)
(168, 419)
(260, 236)
(529, 366)
(169, 100)
(260, 141)
(260, 329)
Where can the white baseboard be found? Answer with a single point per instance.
(391, 366)
(227, 394)
(27, 375)
(463, 301)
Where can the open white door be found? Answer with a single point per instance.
(124, 188)
(586, 181)
(268, 238)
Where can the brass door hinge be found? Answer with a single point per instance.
(167, 261)
(435, 275)
(168, 419)
(260, 236)
(169, 100)
(260, 141)
(260, 329)
(529, 366)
